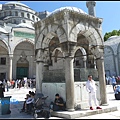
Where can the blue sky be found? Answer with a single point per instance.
(108, 10)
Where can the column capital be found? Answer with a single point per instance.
(100, 58)
(39, 60)
(68, 48)
(97, 51)
(11, 55)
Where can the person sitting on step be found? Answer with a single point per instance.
(30, 102)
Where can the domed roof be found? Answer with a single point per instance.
(17, 3)
(113, 37)
(24, 25)
(69, 8)
(3, 30)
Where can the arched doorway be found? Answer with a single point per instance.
(4, 61)
(22, 67)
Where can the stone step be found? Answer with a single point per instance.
(83, 112)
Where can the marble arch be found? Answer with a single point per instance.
(53, 53)
(47, 33)
(23, 40)
(82, 50)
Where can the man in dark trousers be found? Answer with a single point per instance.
(2, 90)
(58, 104)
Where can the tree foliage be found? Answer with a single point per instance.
(113, 33)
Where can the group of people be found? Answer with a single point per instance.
(18, 83)
(28, 103)
(110, 80)
(114, 81)
(58, 103)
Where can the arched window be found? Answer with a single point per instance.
(10, 13)
(16, 13)
(4, 13)
(14, 21)
(36, 19)
(28, 15)
(22, 14)
(33, 17)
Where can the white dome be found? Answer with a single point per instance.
(24, 25)
(17, 3)
(113, 37)
(69, 8)
(3, 30)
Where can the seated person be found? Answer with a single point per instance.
(24, 104)
(58, 103)
(30, 102)
(117, 92)
(117, 89)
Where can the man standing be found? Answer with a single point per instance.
(113, 81)
(91, 89)
(2, 90)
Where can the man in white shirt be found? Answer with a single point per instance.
(91, 89)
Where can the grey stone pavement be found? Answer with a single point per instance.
(19, 95)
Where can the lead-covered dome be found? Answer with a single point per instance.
(113, 37)
(68, 8)
(17, 3)
(25, 25)
(3, 30)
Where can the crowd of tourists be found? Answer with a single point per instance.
(112, 79)
(18, 83)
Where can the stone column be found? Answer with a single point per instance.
(10, 68)
(39, 71)
(84, 62)
(101, 75)
(39, 76)
(94, 63)
(69, 77)
(68, 48)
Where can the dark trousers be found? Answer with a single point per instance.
(29, 107)
(24, 105)
(56, 107)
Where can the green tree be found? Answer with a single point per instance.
(109, 34)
